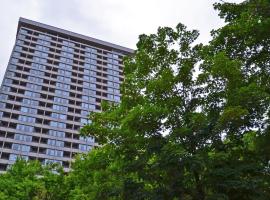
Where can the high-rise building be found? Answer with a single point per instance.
(54, 78)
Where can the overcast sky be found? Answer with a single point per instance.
(116, 21)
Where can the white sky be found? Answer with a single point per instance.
(116, 21)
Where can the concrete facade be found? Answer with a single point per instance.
(53, 80)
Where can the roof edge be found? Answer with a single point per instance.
(73, 34)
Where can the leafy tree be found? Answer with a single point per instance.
(193, 122)
(179, 135)
(29, 180)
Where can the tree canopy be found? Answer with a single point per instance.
(193, 122)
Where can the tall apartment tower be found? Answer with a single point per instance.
(53, 80)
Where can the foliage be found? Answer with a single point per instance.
(29, 180)
(193, 122)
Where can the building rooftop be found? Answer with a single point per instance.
(74, 36)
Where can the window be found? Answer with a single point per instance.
(59, 116)
(65, 66)
(14, 60)
(14, 157)
(49, 161)
(29, 110)
(7, 81)
(21, 147)
(35, 79)
(2, 105)
(42, 48)
(111, 90)
(39, 60)
(41, 54)
(66, 60)
(88, 92)
(36, 72)
(63, 86)
(58, 124)
(64, 79)
(113, 72)
(25, 138)
(23, 31)
(44, 42)
(89, 49)
(24, 128)
(56, 143)
(84, 147)
(87, 139)
(67, 43)
(60, 108)
(60, 100)
(69, 55)
(53, 152)
(5, 88)
(45, 37)
(64, 72)
(30, 102)
(33, 86)
(87, 98)
(85, 121)
(88, 106)
(84, 113)
(89, 85)
(54, 133)
(27, 119)
(3, 96)
(32, 94)
(69, 49)
(61, 92)
(38, 66)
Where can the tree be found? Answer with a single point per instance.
(29, 180)
(193, 122)
(176, 135)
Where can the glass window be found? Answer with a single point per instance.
(64, 79)
(54, 133)
(26, 119)
(60, 108)
(25, 128)
(33, 86)
(53, 152)
(5, 88)
(87, 139)
(49, 161)
(30, 102)
(60, 100)
(61, 92)
(58, 124)
(41, 54)
(21, 147)
(59, 116)
(88, 106)
(42, 48)
(29, 110)
(56, 143)
(35, 79)
(25, 138)
(38, 66)
(62, 85)
(14, 157)
(85, 121)
(39, 60)
(36, 72)
(32, 94)
(84, 147)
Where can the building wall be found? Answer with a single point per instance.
(53, 80)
